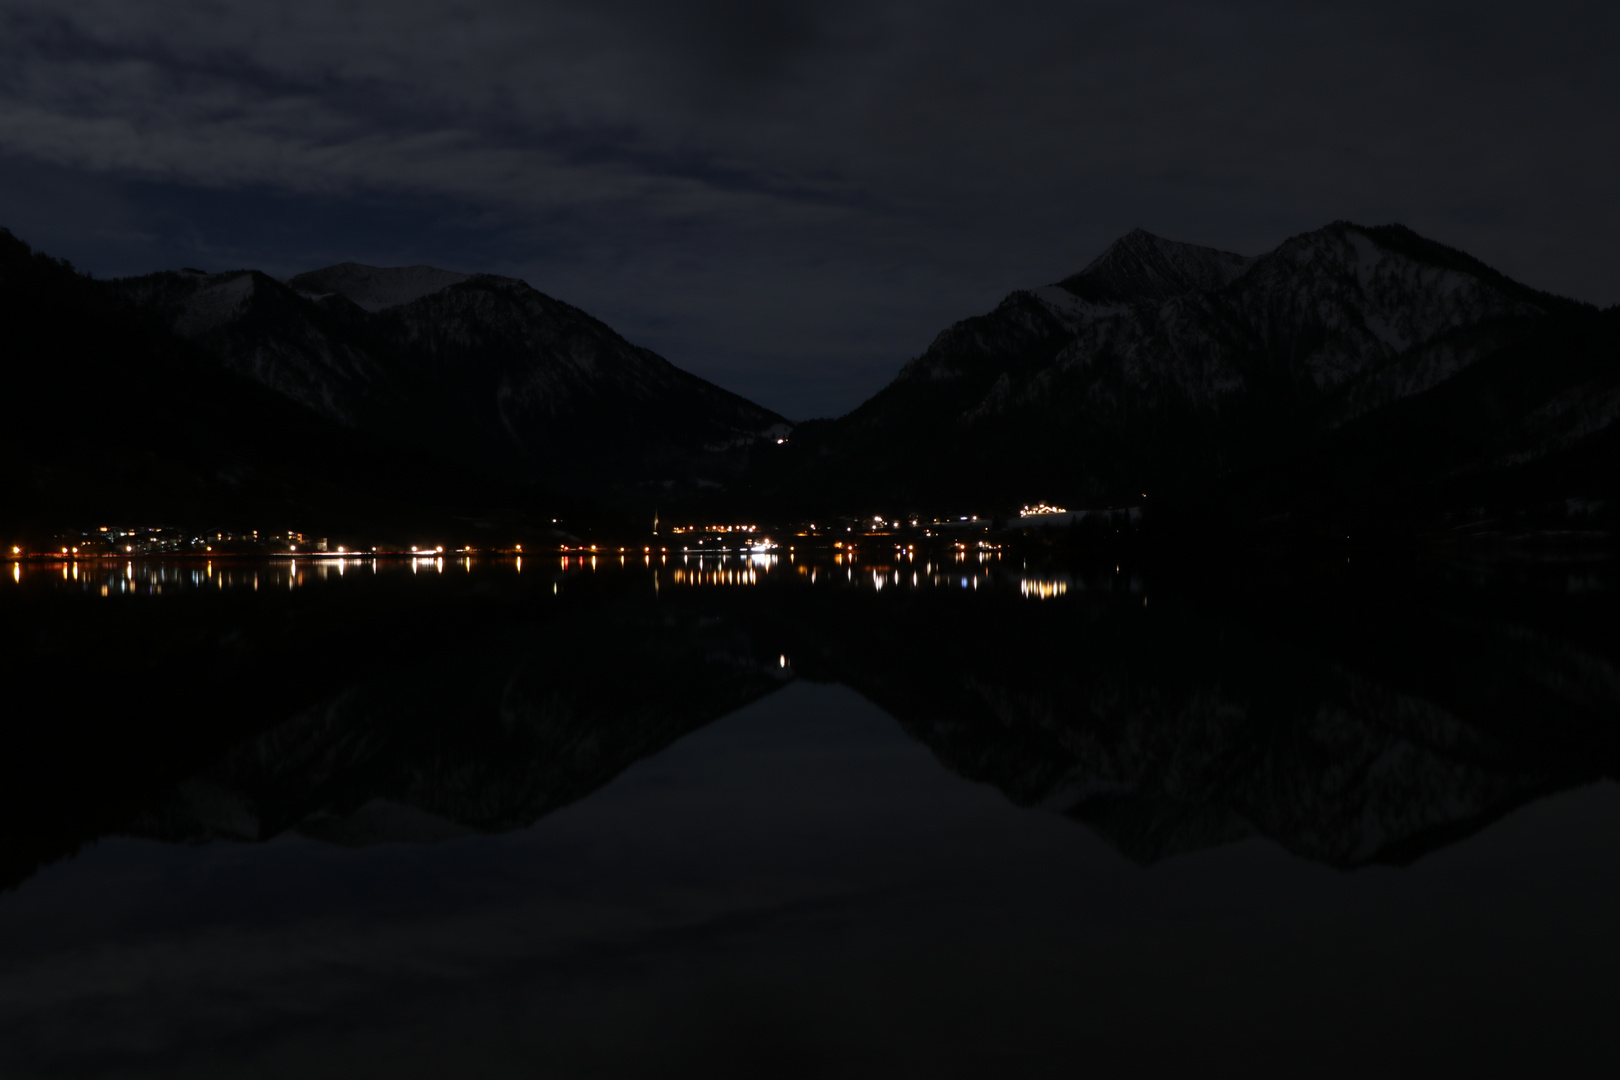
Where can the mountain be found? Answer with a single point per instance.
(1140, 267)
(1190, 373)
(109, 416)
(475, 368)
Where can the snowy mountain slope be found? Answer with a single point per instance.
(479, 368)
(1161, 366)
(111, 415)
(374, 288)
(261, 329)
(1142, 268)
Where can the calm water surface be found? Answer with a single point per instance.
(891, 816)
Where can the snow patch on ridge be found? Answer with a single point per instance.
(214, 304)
(376, 288)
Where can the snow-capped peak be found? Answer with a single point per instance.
(1142, 268)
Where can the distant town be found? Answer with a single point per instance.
(149, 540)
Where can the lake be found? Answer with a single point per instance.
(951, 814)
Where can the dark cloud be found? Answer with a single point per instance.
(792, 198)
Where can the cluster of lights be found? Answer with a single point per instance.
(685, 529)
(1041, 508)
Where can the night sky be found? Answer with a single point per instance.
(792, 198)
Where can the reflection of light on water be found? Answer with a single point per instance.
(1042, 590)
(742, 572)
(16, 572)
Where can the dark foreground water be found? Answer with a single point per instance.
(891, 818)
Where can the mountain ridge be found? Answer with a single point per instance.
(480, 368)
(375, 288)
(1178, 369)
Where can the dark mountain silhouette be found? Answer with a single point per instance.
(107, 415)
(1353, 380)
(1224, 384)
(477, 369)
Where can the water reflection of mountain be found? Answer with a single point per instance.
(1348, 730)
(1349, 724)
(485, 737)
(362, 714)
